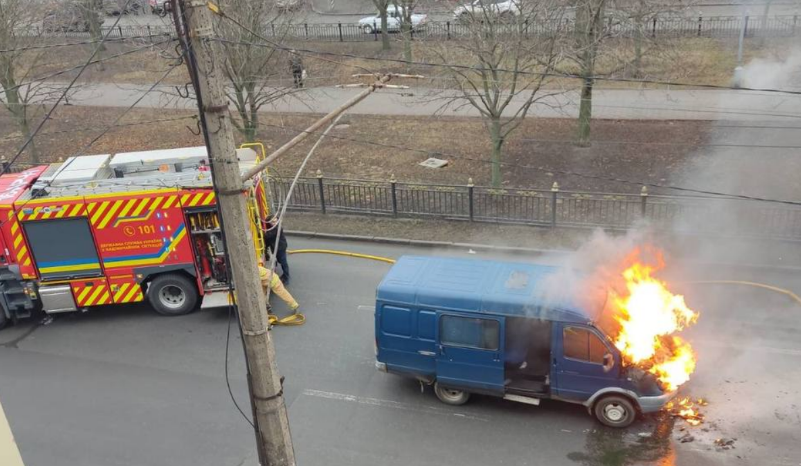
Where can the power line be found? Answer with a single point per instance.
(648, 143)
(91, 62)
(549, 170)
(60, 98)
(271, 44)
(85, 42)
(92, 128)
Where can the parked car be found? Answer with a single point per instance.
(478, 326)
(65, 19)
(289, 5)
(372, 24)
(157, 6)
(480, 9)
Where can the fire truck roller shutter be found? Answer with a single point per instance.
(63, 248)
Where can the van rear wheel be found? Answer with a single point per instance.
(451, 396)
(615, 411)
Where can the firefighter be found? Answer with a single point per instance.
(269, 279)
(270, 235)
(296, 64)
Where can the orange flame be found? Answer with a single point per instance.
(687, 409)
(649, 315)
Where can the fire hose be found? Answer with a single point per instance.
(342, 253)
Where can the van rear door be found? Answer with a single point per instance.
(470, 352)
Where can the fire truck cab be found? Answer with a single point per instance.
(117, 229)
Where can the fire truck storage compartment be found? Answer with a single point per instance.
(57, 298)
(63, 249)
(204, 229)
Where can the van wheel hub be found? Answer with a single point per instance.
(615, 413)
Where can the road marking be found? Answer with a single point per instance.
(9, 453)
(388, 404)
(365, 308)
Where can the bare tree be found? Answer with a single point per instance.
(589, 33)
(92, 12)
(382, 6)
(404, 10)
(23, 95)
(499, 68)
(254, 72)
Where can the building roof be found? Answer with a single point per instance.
(492, 287)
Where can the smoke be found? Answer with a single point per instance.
(765, 73)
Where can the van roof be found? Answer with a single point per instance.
(492, 287)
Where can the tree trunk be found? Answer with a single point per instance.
(17, 108)
(384, 31)
(26, 133)
(639, 38)
(406, 32)
(497, 145)
(585, 112)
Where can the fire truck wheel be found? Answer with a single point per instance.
(615, 411)
(172, 295)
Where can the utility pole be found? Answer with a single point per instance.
(271, 421)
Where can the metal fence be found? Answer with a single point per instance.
(551, 208)
(713, 26)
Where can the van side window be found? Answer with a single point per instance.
(469, 332)
(583, 345)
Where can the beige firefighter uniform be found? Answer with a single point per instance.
(270, 279)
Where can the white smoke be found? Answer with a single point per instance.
(766, 73)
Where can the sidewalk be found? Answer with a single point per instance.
(651, 104)
(9, 453)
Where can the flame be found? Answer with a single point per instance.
(649, 315)
(687, 409)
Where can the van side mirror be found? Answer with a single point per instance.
(609, 362)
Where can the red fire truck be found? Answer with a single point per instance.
(116, 229)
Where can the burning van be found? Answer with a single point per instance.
(476, 326)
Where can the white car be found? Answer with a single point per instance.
(372, 24)
(480, 9)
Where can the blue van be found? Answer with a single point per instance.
(478, 326)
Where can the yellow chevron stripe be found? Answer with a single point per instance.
(120, 292)
(128, 206)
(155, 205)
(91, 300)
(47, 214)
(27, 262)
(209, 199)
(104, 299)
(170, 201)
(76, 210)
(141, 207)
(99, 212)
(32, 216)
(23, 250)
(185, 199)
(198, 197)
(17, 240)
(83, 294)
(110, 214)
(64, 209)
(14, 228)
(133, 294)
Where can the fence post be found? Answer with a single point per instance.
(554, 196)
(448, 24)
(340, 32)
(375, 31)
(653, 31)
(525, 31)
(470, 187)
(3, 165)
(745, 27)
(149, 34)
(119, 28)
(392, 182)
(643, 200)
(700, 21)
(411, 32)
(322, 191)
(795, 21)
(306, 28)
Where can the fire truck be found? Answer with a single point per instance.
(110, 229)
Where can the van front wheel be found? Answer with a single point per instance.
(615, 411)
(451, 396)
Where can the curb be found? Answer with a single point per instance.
(489, 247)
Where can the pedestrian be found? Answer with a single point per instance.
(270, 235)
(269, 279)
(296, 65)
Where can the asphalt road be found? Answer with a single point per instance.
(122, 386)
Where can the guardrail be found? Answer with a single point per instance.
(712, 27)
(549, 208)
